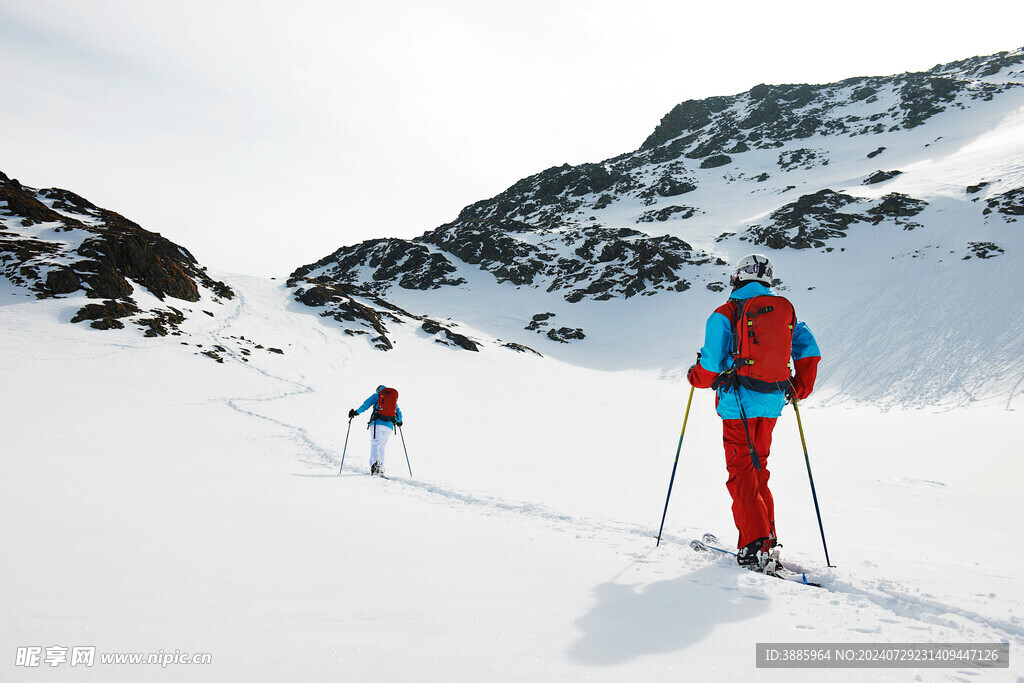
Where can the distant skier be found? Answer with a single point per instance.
(748, 343)
(386, 414)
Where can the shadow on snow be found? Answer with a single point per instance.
(630, 621)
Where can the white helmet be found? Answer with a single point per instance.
(753, 268)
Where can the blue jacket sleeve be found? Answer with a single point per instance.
(368, 403)
(398, 413)
(804, 343)
(716, 354)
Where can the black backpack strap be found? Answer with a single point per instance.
(761, 386)
(751, 449)
(737, 313)
(731, 378)
(726, 381)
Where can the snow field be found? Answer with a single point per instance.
(158, 500)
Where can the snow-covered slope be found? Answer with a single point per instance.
(181, 493)
(157, 500)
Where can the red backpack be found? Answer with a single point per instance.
(762, 341)
(387, 404)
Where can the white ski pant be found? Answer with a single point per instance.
(379, 435)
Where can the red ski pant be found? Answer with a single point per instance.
(753, 508)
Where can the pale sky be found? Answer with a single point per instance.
(264, 135)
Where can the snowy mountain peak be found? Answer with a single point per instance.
(848, 187)
(767, 116)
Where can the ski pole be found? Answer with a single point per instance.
(674, 465)
(402, 434)
(810, 477)
(346, 446)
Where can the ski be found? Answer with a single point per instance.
(709, 543)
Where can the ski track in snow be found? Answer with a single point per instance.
(633, 541)
(300, 434)
(491, 505)
(893, 597)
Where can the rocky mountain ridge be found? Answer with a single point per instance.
(55, 243)
(780, 167)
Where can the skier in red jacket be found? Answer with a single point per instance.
(750, 372)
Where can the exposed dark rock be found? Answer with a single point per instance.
(686, 117)
(123, 253)
(547, 196)
(668, 186)
(106, 315)
(814, 219)
(771, 115)
(508, 259)
(921, 97)
(986, 66)
(68, 201)
(565, 335)
(539, 320)
(802, 158)
(410, 265)
(162, 322)
(317, 295)
(605, 262)
(881, 177)
(453, 338)
(872, 155)
(716, 160)
(339, 303)
(972, 189)
(215, 353)
(111, 251)
(806, 223)
(896, 205)
(1009, 203)
(21, 202)
(521, 349)
(861, 94)
(723, 134)
(62, 281)
(667, 213)
(983, 250)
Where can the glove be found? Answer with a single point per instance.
(352, 413)
(399, 423)
(806, 371)
(700, 377)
